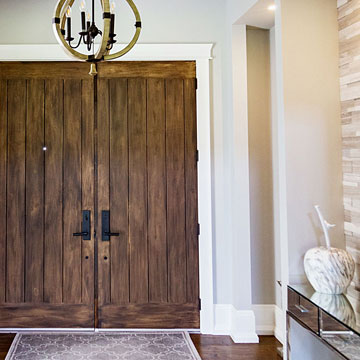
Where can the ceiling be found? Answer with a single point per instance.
(259, 15)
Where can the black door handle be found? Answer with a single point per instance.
(106, 233)
(111, 234)
(85, 226)
(81, 234)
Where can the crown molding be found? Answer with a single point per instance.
(141, 52)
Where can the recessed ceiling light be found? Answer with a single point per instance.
(272, 7)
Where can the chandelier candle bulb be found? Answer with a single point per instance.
(112, 7)
(83, 21)
(88, 17)
(68, 23)
(83, 5)
(112, 17)
(112, 24)
(83, 15)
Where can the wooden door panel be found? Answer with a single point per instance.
(34, 244)
(3, 157)
(40, 315)
(150, 316)
(53, 203)
(191, 191)
(147, 173)
(88, 188)
(175, 168)
(16, 191)
(119, 186)
(72, 193)
(156, 162)
(103, 178)
(139, 292)
(46, 165)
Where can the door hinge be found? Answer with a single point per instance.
(197, 156)
(198, 229)
(196, 83)
(199, 304)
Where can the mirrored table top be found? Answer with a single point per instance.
(344, 308)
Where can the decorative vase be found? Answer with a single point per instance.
(328, 269)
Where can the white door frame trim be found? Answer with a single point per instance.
(201, 53)
(140, 52)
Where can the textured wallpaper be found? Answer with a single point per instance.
(349, 36)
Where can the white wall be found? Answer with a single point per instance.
(260, 166)
(238, 194)
(312, 124)
(275, 164)
(163, 21)
(236, 154)
(235, 9)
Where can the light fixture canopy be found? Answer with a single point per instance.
(89, 31)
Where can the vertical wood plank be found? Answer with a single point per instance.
(72, 192)
(175, 153)
(3, 157)
(156, 172)
(138, 191)
(119, 185)
(53, 247)
(34, 191)
(191, 195)
(103, 126)
(16, 191)
(87, 164)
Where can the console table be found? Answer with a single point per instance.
(321, 326)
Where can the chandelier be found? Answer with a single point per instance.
(101, 51)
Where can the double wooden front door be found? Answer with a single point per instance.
(118, 154)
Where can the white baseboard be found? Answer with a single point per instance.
(279, 330)
(269, 321)
(239, 324)
(264, 319)
(222, 319)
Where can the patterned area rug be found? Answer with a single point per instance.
(103, 346)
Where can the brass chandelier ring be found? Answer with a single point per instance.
(103, 53)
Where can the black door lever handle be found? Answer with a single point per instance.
(85, 233)
(106, 232)
(111, 234)
(85, 226)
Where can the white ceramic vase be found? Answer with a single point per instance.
(329, 270)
